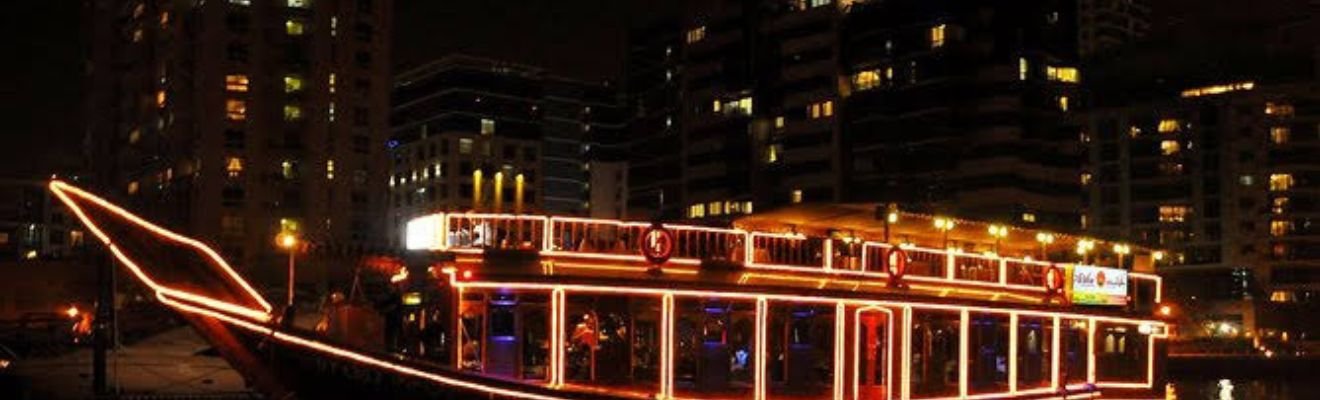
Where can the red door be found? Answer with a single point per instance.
(873, 345)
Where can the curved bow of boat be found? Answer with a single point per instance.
(190, 277)
(173, 266)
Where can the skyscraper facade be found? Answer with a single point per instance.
(235, 120)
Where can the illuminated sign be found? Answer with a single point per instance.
(423, 233)
(657, 244)
(1098, 285)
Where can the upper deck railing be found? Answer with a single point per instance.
(604, 239)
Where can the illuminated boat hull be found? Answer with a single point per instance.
(702, 327)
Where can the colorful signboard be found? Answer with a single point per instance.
(1090, 285)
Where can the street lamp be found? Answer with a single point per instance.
(1045, 239)
(289, 242)
(891, 217)
(1085, 246)
(945, 225)
(1121, 250)
(999, 232)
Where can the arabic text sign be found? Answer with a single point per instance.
(1098, 285)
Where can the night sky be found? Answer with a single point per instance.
(40, 86)
(583, 39)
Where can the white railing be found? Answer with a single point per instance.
(616, 240)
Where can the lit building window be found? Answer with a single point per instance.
(1028, 217)
(697, 211)
(331, 83)
(1169, 147)
(160, 98)
(741, 106)
(293, 27)
(1279, 109)
(1279, 205)
(772, 153)
(234, 167)
(696, 34)
(236, 83)
(134, 136)
(1063, 103)
(293, 83)
(1173, 213)
(132, 187)
(797, 196)
(289, 225)
(487, 126)
(820, 3)
(1280, 228)
(1280, 182)
(1279, 134)
(292, 112)
(821, 109)
(937, 36)
(1246, 180)
(1168, 125)
(299, 3)
(1283, 296)
(236, 110)
(716, 105)
(464, 146)
(1062, 74)
(779, 122)
(1022, 68)
(288, 169)
(330, 112)
(330, 170)
(865, 80)
(1086, 178)
(714, 209)
(1218, 89)
(241, 2)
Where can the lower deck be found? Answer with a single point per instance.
(692, 344)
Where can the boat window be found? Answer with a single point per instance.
(987, 353)
(935, 345)
(613, 342)
(714, 348)
(1074, 356)
(1035, 346)
(1125, 354)
(801, 350)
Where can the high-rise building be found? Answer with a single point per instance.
(722, 97)
(235, 120)
(476, 133)
(1223, 176)
(964, 106)
(955, 105)
(1105, 25)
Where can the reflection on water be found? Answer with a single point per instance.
(1243, 389)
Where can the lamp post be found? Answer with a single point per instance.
(891, 217)
(289, 242)
(945, 225)
(1085, 246)
(1121, 250)
(1045, 239)
(999, 232)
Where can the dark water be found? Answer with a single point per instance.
(1248, 389)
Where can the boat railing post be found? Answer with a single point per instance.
(1003, 270)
